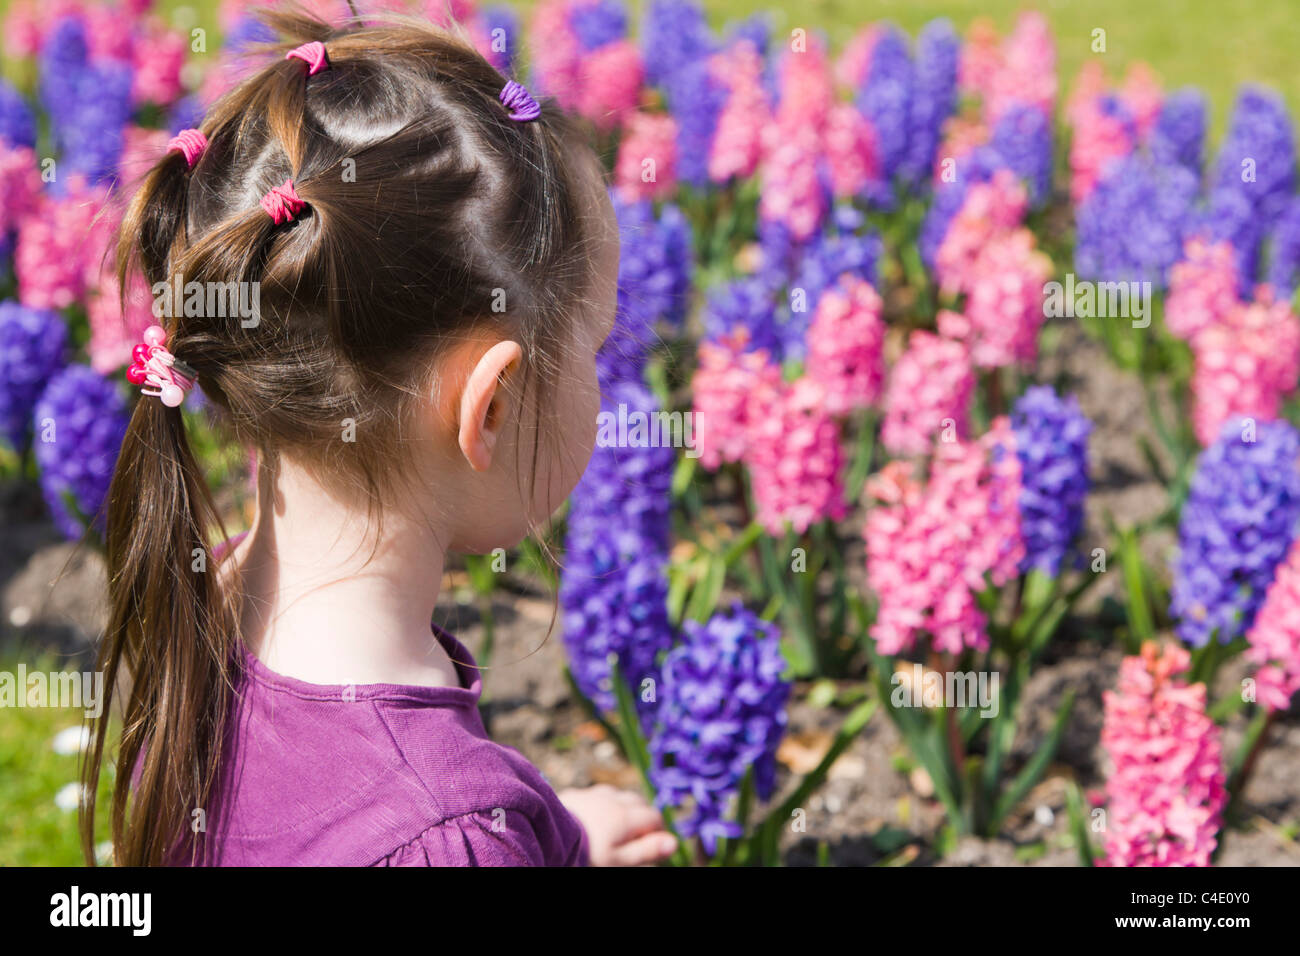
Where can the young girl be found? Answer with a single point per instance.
(436, 261)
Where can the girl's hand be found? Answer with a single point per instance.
(622, 828)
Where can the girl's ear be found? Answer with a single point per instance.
(484, 403)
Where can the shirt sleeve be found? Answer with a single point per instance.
(483, 838)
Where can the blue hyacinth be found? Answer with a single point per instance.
(598, 22)
(933, 98)
(1022, 139)
(32, 346)
(614, 586)
(1179, 133)
(720, 715)
(1229, 215)
(17, 122)
(79, 422)
(1284, 250)
(696, 98)
(1237, 525)
(89, 103)
(1133, 224)
(674, 33)
(1052, 445)
(1257, 158)
(747, 303)
(886, 100)
(503, 18)
(654, 277)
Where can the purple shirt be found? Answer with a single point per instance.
(379, 774)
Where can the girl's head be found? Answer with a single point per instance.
(425, 341)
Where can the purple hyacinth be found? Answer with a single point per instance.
(886, 100)
(695, 98)
(933, 98)
(1052, 445)
(186, 113)
(1229, 215)
(80, 421)
(17, 122)
(1179, 133)
(32, 346)
(598, 22)
(822, 261)
(614, 585)
(1237, 525)
(503, 18)
(673, 34)
(1133, 224)
(1022, 138)
(977, 166)
(1257, 158)
(654, 277)
(721, 714)
(247, 32)
(756, 28)
(1284, 250)
(89, 103)
(747, 303)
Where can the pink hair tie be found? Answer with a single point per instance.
(520, 102)
(152, 364)
(282, 203)
(190, 143)
(313, 54)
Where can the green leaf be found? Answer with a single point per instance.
(1032, 771)
(1076, 810)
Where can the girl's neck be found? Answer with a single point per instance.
(333, 595)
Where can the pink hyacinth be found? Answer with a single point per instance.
(1274, 638)
(113, 333)
(807, 92)
(1099, 139)
(20, 185)
(1027, 72)
(647, 157)
(612, 76)
(1202, 288)
(928, 397)
(27, 23)
(141, 150)
(795, 457)
(850, 144)
(791, 190)
(961, 135)
(158, 55)
(854, 63)
(58, 245)
(738, 139)
(1245, 365)
(557, 55)
(1142, 96)
(981, 57)
(931, 548)
(1004, 302)
(989, 208)
(723, 389)
(1166, 788)
(844, 344)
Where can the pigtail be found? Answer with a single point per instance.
(166, 650)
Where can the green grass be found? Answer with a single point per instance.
(33, 830)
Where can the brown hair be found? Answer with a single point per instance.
(425, 202)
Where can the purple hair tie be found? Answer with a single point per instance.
(520, 102)
(313, 54)
(190, 143)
